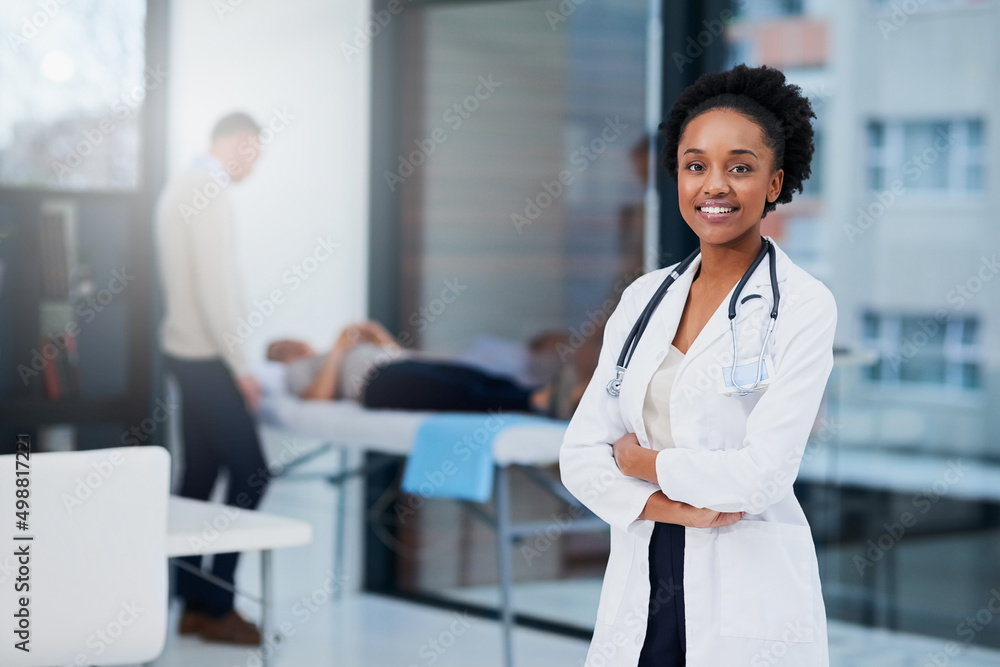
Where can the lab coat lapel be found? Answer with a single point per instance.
(654, 344)
(718, 325)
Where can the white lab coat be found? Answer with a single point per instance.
(751, 590)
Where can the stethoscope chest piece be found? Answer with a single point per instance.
(615, 386)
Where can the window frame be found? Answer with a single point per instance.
(888, 342)
(890, 157)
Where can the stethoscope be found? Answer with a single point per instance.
(767, 248)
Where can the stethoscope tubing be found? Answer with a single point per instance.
(632, 341)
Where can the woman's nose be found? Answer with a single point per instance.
(716, 183)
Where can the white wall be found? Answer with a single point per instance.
(312, 179)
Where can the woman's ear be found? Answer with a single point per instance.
(774, 188)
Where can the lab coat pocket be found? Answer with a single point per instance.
(765, 577)
(616, 576)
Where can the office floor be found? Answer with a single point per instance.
(369, 631)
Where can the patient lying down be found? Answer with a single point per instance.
(367, 365)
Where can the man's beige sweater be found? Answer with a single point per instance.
(198, 271)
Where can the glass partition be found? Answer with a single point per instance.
(522, 170)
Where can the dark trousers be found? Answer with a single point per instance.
(218, 433)
(441, 386)
(664, 645)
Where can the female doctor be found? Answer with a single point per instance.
(692, 462)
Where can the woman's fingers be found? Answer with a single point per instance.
(728, 518)
(706, 518)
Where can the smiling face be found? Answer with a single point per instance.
(725, 174)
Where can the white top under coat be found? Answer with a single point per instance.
(656, 405)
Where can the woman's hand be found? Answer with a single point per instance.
(622, 448)
(664, 510)
(633, 459)
(705, 518)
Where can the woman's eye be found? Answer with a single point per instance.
(745, 169)
(694, 166)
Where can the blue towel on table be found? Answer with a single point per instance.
(452, 455)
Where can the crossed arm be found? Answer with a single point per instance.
(637, 461)
(635, 483)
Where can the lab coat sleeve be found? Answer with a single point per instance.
(761, 472)
(586, 461)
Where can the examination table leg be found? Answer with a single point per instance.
(265, 609)
(504, 544)
(341, 519)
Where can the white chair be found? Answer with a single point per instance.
(97, 564)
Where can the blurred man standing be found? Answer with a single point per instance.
(203, 301)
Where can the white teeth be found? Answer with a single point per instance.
(716, 209)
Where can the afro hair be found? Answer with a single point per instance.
(762, 95)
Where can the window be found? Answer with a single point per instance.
(928, 156)
(923, 350)
(877, 163)
(72, 84)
